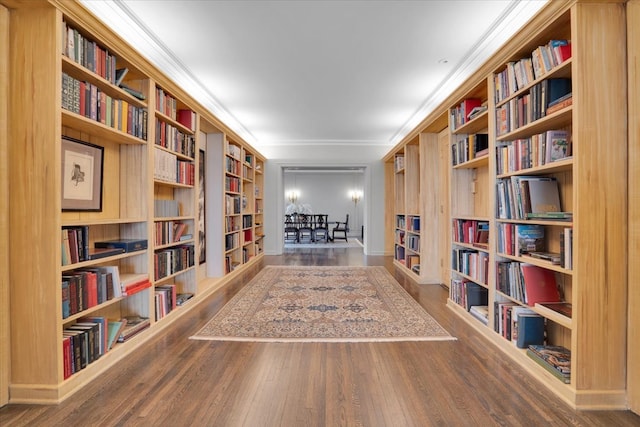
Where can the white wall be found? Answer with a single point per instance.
(368, 157)
(327, 193)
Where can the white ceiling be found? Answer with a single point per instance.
(317, 72)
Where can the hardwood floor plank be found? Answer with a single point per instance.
(174, 381)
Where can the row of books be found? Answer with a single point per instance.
(75, 244)
(413, 263)
(468, 294)
(83, 343)
(88, 53)
(413, 242)
(413, 224)
(166, 103)
(173, 260)
(247, 221)
(233, 150)
(231, 241)
(232, 166)
(519, 74)
(167, 167)
(232, 223)
(469, 147)
(520, 239)
(471, 263)
(232, 184)
(531, 106)
(528, 197)
(400, 234)
(230, 263)
(171, 231)
(165, 299)
(86, 288)
(526, 283)
(246, 172)
(232, 204)
(398, 162)
(401, 221)
(172, 138)
(538, 150)
(91, 102)
(472, 232)
(518, 324)
(462, 113)
(399, 253)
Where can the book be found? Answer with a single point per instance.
(530, 330)
(539, 284)
(529, 238)
(114, 330)
(558, 145)
(551, 216)
(97, 253)
(555, 359)
(135, 324)
(183, 298)
(133, 92)
(480, 312)
(544, 196)
(476, 295)
(129, 245)
(563, 308)
(120, 73)
(552, 257)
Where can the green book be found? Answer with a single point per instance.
(114, 329)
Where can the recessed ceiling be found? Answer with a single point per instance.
(317, 72)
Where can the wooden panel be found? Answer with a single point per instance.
(431, 194)
(600, 194)
(412, 182)
(34, 157)
(389, 208)
(444, 211)
(633, 78)
(4, 209)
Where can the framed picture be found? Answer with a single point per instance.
(82, 165)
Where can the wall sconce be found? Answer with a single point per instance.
(356, 195)
(292, 196)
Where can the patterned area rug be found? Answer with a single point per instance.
(322, 304)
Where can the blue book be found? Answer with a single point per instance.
(129, 245)
(530, 330)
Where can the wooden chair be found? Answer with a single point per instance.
(320, 227)
(290, 229)
(341, 228)
(305, 230)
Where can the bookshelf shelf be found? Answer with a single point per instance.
(85, 124)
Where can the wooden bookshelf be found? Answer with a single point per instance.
(594, 340)
(592, 183)
(133, 181)
(5, 362)
(414, 188)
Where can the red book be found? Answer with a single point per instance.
(467, 105)
(539, 284)
(187, 118)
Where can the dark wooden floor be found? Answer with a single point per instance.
(174, 381)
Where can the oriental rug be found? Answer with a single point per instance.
(322, 304)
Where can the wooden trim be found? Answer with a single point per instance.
(5, 361)
(633, 99)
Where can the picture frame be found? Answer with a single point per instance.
(82, 173)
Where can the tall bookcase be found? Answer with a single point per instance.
(592, 186)
(413, 191)
(149, 131)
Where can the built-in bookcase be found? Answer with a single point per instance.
(102, 106)
(504, 140)
(413, 199)
(531, 142)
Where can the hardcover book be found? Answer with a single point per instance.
(129, 245)
(539, 284)
(530, 330)
(529, 238)
(544, 196)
